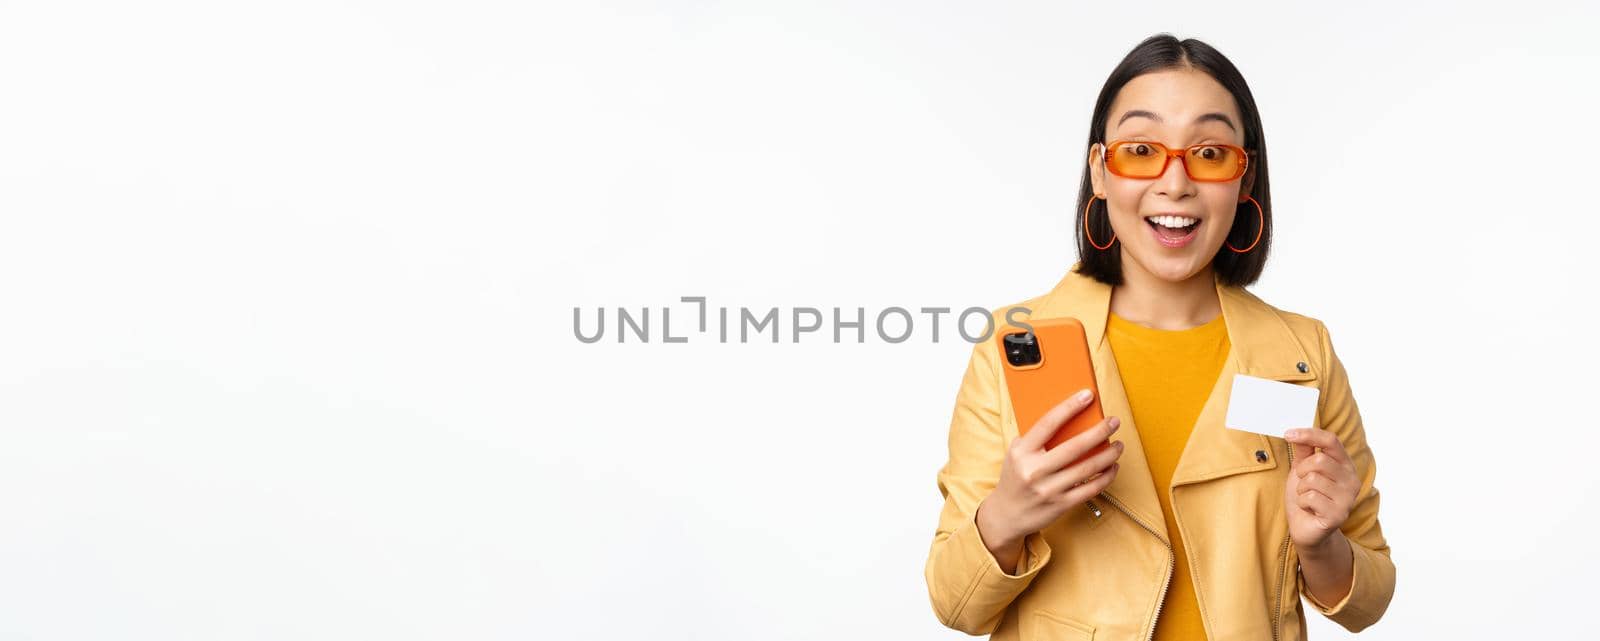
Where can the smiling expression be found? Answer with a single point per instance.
(1176, 108)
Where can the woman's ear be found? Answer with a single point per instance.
(1247, 183)
(1097, 176)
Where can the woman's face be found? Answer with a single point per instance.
(1176, 108)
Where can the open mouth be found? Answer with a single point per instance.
(1174, 231)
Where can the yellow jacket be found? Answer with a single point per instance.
(1102, 569)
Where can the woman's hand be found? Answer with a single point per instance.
(1321, 489)
(1037, 486)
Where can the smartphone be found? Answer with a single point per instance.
(1045, 366)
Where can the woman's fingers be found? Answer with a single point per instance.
(1026, 498)
(1316, 481)
(1061, 481)
(1309, 437)
(1323, 463)
(1319, 504)
(1091, 487)
(1069, 450)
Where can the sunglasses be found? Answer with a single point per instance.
(1209, 162)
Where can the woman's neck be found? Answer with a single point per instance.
(1152, 301)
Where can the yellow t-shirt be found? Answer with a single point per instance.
(1168, 375)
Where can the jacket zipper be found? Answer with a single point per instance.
(1172, 559)
(1283, 565)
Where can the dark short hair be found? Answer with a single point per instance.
(1163, 52)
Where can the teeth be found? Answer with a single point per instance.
(1174, 222)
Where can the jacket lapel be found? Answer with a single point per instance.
(1262, 346)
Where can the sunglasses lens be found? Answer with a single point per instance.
(1137, 159)
(1213, 163)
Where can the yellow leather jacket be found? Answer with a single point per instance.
(1101, 571)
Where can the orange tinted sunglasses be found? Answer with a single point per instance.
(1209, 162)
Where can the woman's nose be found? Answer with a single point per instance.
(1174, 180)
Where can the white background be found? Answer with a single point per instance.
(286, 345)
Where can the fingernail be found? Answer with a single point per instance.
(1295, 433)
(1083, 395)
(1115, 423)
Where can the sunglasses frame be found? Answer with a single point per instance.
(1181, 154)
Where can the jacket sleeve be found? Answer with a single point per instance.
(969, 590)
(1372, 581)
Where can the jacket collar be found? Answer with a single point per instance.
(1259, 336)
(1262, 346)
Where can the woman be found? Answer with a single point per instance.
(1183, 529)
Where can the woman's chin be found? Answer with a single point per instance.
(1173, 266)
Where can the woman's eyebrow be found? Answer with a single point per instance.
(1217, 116)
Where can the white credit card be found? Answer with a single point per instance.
(1265, 406)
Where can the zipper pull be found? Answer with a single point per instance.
(1093, 509)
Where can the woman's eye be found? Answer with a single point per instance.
(1142, 150)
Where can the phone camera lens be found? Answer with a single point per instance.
(1022, 349)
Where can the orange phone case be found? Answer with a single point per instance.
(1064, 367)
